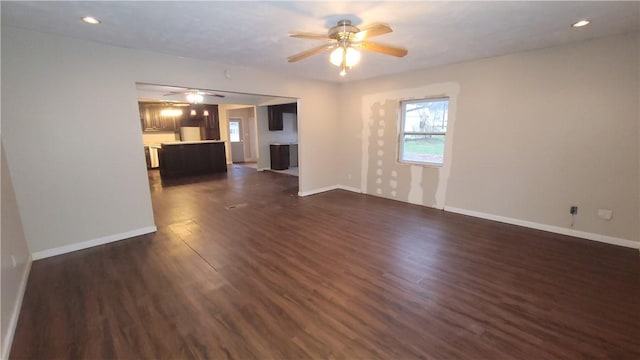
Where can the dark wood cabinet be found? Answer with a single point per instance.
(275, 114)
(279, 156)
(275, 118)
(154, 117)
(185, 159)
(211, 124)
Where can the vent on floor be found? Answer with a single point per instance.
(235, 206)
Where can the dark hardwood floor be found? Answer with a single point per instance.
(334, 275)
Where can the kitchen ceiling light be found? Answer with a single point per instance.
(206, 113)
(91, 20)
(581, 23)
(193, 112)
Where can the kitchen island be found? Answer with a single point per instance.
(186, 158)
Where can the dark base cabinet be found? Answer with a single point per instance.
(279, 157)
(196, 158)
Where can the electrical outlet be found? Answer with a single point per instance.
(573, 210)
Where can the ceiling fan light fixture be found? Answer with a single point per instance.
(350, 56)
(91, 20)
(581, 23)
(336, 56)
(344, 42)
(194, 98)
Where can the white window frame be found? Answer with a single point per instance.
(402, 133)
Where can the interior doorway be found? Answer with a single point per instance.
(236, 139)
(242, 122)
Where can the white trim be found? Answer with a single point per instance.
(329, 188)
(17, 306)
(263, 169)
(317, 191)
(91, 243)
(349, 188)
(549, 228)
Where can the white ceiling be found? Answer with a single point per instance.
(255, 34)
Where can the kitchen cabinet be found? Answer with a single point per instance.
(280, 157)
(211, 124)
(152, 119)
(275, 114)
(275, 118)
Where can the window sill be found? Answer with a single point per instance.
(425, 164)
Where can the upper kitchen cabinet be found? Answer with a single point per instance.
(276, 112)
(171, 117)
(160, 117)
(210, 129)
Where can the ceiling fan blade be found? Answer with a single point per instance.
(173, 93)
(310, 52)
(383, 49)
(211, 94)
(371, 31)
(304, 35)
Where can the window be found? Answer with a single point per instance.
(423, 129)
(234, 131)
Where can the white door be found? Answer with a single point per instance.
(236, 139)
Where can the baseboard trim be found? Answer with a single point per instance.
(349, 188)
(550, 228)
(328, 188)
(91, 243)
(317, 191)
(17, 306)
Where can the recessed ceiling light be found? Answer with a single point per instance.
(581, 23)
(91, 20)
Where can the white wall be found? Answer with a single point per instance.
(75, 153)
(14, 278)
(534, 133)
(224, 129)
(288, 135)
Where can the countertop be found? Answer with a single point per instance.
(192, 142)
(284, 144)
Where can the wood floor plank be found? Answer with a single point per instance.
(336, 275)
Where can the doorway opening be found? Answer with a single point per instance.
(241, 122)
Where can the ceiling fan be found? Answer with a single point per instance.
(344, 39)
(194, 96)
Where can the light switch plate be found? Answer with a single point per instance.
(605, 214)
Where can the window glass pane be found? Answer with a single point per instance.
(427, 116)
(234, 131)
(423, 148)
